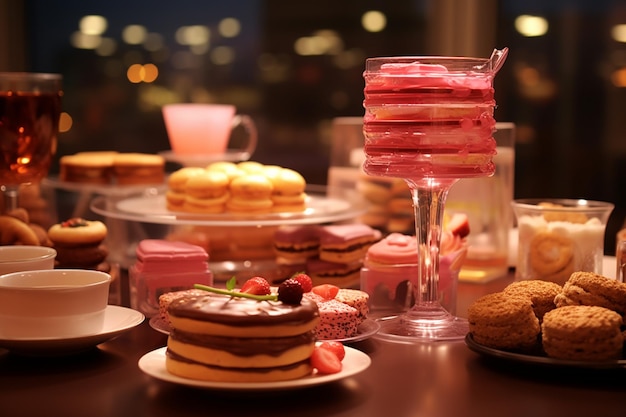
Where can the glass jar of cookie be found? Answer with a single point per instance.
(560, 236)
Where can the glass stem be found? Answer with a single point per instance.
(10, 194)
(428, 202)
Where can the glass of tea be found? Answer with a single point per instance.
(30, 107)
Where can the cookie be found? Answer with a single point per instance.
(79, 244)
(288, 190)
(540, 293)
(551, 257)
(77, 231)
(87, 167)
(504, 321)
(588, 288)
(250, 194)
(206, 192)
(583, 333)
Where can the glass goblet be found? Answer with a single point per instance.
(429, 120)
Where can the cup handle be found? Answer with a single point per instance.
(250, 127)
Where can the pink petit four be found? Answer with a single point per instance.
(164, 266)
(346, 243)
(295, 244)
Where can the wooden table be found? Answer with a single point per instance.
(421, 380)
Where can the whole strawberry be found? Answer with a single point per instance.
(256, 286)
(290, 292)
(304, 280)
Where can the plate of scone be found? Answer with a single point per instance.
(579, 324)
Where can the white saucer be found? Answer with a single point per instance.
(355, 361)
(201, 160)
(116, 321)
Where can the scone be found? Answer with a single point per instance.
(587, 288)
(540, 293)
(504, 321)
(583, 333)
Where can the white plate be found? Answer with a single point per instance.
(355, 361)
(150, 207)
(365, 330)
(116, 321)
(204, 160)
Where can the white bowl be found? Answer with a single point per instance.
(55, 303)
(25, 258)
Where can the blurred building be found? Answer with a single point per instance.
(293, 66)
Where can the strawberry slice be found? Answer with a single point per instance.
(325, 361)
(256, 286)
(304, 280)
(326, 291)
(459, 225)
(334, 346)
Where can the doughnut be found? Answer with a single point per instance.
(20, 214)
(78, 231)
(41, 233)
(16, 232)
(551, 256)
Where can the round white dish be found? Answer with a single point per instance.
(150, 207)
(117, 320)
(153, 364)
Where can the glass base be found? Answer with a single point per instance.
(427, 322)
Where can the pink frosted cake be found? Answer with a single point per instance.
(391, 263)
(164, 266)
(345, 243)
